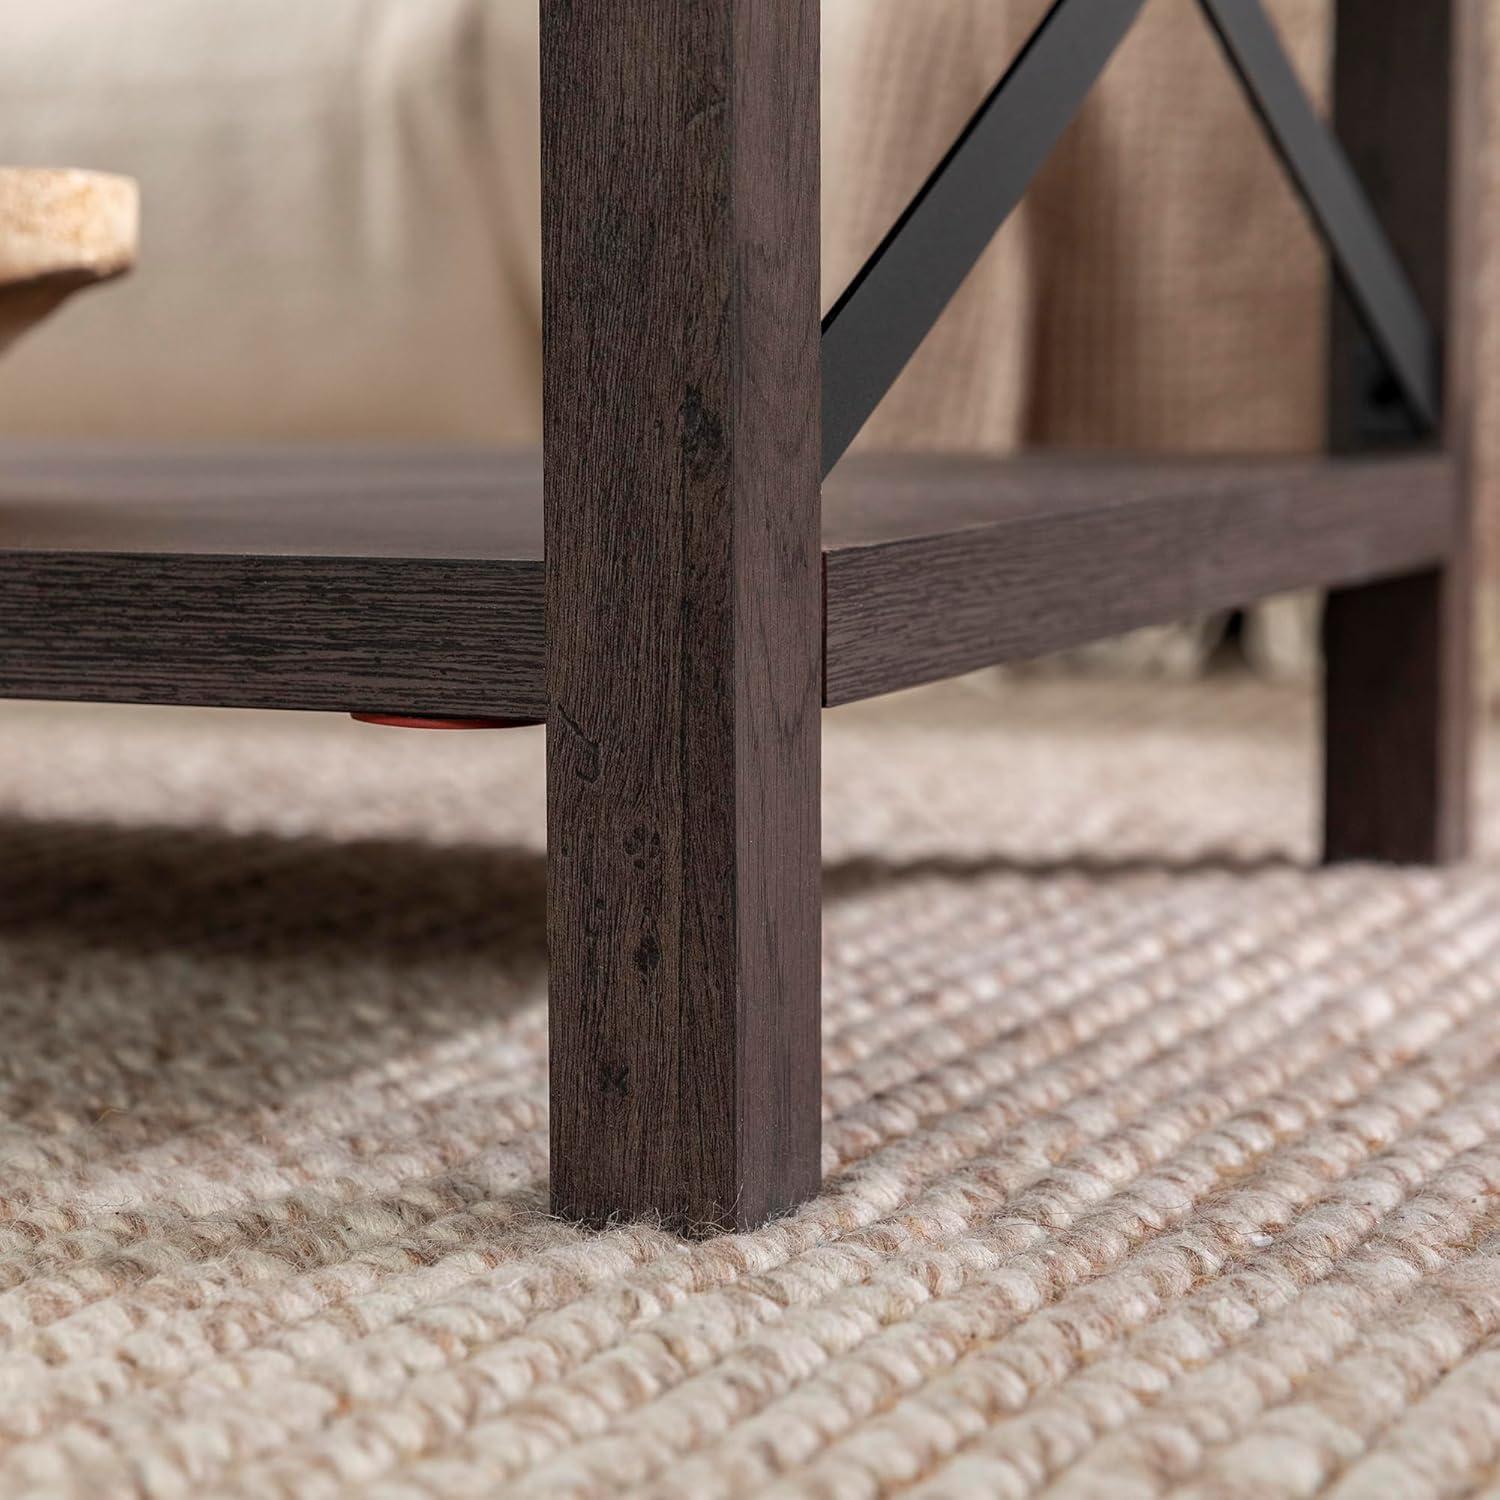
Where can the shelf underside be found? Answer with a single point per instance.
(411, 580)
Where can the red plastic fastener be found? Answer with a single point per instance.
(417, 721)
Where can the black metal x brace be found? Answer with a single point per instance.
(902, 289)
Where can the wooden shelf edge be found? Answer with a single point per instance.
(932, 567)
(435, 638)
(942, 602)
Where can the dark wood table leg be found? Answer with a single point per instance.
(680, 227)
(1399, 695)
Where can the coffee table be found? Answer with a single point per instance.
(675, 589)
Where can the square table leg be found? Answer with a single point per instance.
(684, 627)
(1399, 691)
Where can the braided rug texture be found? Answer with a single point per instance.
(1156, 1161)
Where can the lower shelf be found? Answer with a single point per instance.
(411, 580)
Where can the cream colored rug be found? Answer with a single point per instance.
(1156, 1162)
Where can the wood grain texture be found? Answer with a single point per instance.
(946, 567)
(390, 579)
(1399, 686)
(680, 258)
(344, 579)
(427, 636)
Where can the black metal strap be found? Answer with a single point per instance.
(898, 295)
(1362, 254)
(900, 292)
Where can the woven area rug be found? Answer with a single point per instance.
(1156, 1161)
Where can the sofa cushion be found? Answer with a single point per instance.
(341, 211)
